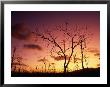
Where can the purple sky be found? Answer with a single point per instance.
(24, 22)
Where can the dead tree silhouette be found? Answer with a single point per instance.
(82, 47)
(17, 62)
(84, 37)
(13, 59)
(20, 64)
(75, 38)
(86, 60)
(42, 69)
(61, 46)
(51, 67)
(37, 67)
(44, 60)
(98, 65)
(76, 62)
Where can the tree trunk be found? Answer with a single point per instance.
(82, 55)
(65, 69)
(45, 67)
(82, 62)
(12, 60)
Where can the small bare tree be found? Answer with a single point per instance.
(86, 60)
(84, 38)
(76, 61)
(13, 59)
(53, 67)
(17, 62)
(44, 60)
(36, 67)
(82, 47)
(62, 50)
(73, 35)
(49, 67)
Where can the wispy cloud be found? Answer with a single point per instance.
(19, 64)
(43, 60)
(32, 46)
(97, 54)
(92, 50)
(58, 58)
(95, 51)
(21, 31)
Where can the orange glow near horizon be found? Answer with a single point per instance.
(32, 48)
(93, 61)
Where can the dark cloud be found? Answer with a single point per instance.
(76, 59)
(19, 64)
(95, 51)
(58, 58)
(92, 50)
(21, 32)
(43, 60)
(97, 54)
(98, 65)
(32, 46)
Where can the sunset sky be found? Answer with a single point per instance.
(33, 48)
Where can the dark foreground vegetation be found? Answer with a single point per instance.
(88, 72)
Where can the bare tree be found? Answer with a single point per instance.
(36, 67)
(84, 38)
(98, 65)
(44, 60)
(17, 62)
(62, 50)
(86, 60)
(49, 67)
(13, 59)
(73, 37)
(53, 67)
(76, 61)
(82, 47)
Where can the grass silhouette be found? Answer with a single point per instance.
(86, 72)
